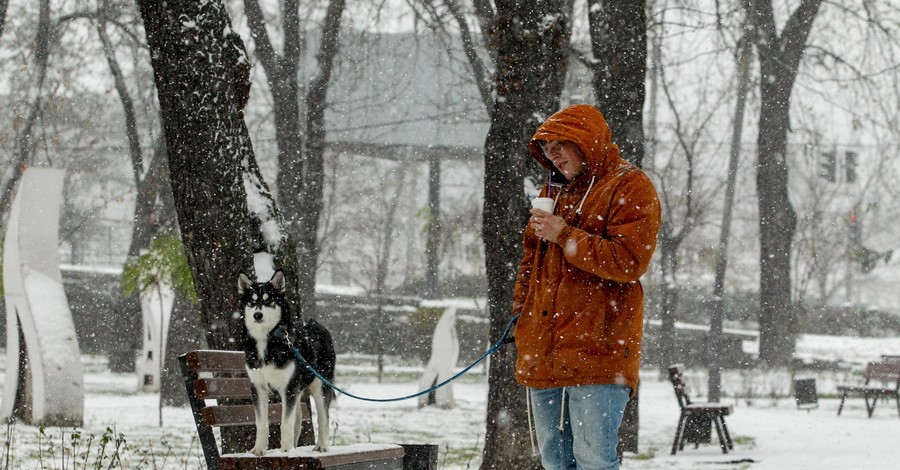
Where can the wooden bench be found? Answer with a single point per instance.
(220, 377)
(696, 420)
(882, 381)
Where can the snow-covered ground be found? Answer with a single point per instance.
(769, 433)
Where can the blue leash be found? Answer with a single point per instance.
(490, 351)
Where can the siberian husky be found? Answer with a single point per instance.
(272, 366)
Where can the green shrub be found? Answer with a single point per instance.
(163, 262)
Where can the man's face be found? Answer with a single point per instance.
(565, 156)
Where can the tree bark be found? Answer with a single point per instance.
(779, 58)
(618, 32)
(3, 5)
(225, 210)
(531, 67)
(433, 237)
(619, 44)
(201, 78)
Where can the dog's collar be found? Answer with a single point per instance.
(278, 332)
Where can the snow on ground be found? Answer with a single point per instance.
(769, 433)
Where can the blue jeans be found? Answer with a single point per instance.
(591, 416)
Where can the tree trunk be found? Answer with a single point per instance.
(668, 336)
(479, 75)
(310, 202)
(127, 319)
(225, 210)
(531, 67)
(383, 264)
(300, 170)
(619, 43)
(779, 58)
(281, 75)
(433, 241)
(24, 143)
(3, 5)
(202, 80)
(716, 321)
(185, 334)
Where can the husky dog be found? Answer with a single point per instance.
(269, 341)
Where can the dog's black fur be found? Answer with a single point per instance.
(269, 332)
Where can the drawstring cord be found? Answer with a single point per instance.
(581, 204)
(534, 448)
(562, 410)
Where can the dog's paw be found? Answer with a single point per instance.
(321, 448)
(257, 450)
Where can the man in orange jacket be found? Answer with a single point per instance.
(578, 290)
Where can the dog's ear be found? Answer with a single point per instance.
(278, 280)
(244, 283)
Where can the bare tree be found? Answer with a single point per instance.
(779, 60)
(531, 40)
(716, 321)
(225, 210)
(382, 262)
(24, 140)
(143, 228)
(300, 163)
(202, 78)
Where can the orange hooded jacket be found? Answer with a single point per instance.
(581, 300)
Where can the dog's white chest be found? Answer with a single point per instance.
(271, 377)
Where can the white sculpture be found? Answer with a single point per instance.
(36, 307)
(156, 306)
(444, 355)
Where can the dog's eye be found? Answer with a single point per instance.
(265, 297)
(253, 297)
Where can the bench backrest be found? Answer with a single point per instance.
(219, 394)
(885, 372)
(675, 377)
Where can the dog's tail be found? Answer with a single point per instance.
(329, 394)
(319, 336)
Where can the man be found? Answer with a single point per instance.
(578, 290)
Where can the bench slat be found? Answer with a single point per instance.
(243, 415)
(885, 371)
(214, 389)
(215, 361)
(367, 459)
(237, 415)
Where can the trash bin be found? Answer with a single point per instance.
(805, 393)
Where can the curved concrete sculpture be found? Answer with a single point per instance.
(44, 378)
(444, 354)
(156, 306)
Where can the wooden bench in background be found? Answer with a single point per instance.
(220, 377)
(882, 381)
(696, 419)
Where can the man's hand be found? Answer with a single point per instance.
(546, 225)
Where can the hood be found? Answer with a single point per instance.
(584, 125)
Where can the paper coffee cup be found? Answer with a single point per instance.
(543, 203)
